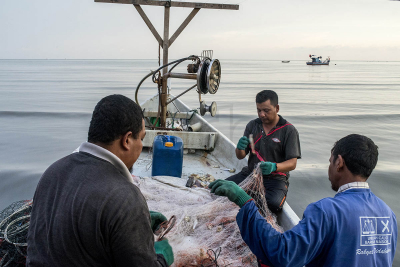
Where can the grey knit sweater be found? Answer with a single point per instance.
(86, 212)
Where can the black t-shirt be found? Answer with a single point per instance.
(280, 144)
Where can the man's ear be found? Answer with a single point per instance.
(340, 163)
(277, 108)
(125, 140)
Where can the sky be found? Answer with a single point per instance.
(259, 30)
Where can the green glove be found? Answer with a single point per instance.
(267, 167)
(162, 247)
(156, 219)
(231, 190)
(243, 143)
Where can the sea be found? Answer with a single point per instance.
(46, 106)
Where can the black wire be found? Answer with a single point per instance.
(197, 59)
(140, 83)
(172, 62)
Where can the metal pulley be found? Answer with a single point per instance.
(204, 108)
(208, 76)
(213, 76)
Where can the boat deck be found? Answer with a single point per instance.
(216, 160)
(200, 163)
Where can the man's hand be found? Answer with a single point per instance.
(267, 167)
(162, 247)
(243, 143)
(156, 219)
(231, 190)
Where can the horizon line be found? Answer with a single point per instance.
(174, 58)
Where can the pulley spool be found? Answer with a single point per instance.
(208, 76)
(204, 108)
(213, 76)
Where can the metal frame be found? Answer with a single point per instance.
(166, 42)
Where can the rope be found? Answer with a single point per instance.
(14, 224)
(173, 120)
(17, 230)
(4, 259)
(194, 111)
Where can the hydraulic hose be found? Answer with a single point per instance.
(172, 62)
(137, 88)
(176, 62)
(154, 73)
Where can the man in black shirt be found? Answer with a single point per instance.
(86, 210)
(277, 146)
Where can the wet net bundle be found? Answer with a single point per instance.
(205, 232)
(254, 186)
(14, 224)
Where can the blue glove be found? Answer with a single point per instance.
(162, 247)
(231, 190)
(243, 143)
(267, 167)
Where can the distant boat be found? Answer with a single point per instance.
(315, 60)
(285, 61)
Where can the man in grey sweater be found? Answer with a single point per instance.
(86, 210)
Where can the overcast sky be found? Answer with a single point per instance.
(260, 29)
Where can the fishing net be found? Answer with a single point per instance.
(205, 232)
(14, 224)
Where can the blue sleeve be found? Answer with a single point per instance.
(295, 247)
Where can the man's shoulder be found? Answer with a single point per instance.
(321, 204)
(327, 206)
(75, 159)
(382, 203)
(254, 122)
(61, 163)
(351, 200)
(87, 169)
(286, 124)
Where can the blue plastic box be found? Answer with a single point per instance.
(167, 156)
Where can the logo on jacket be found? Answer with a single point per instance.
(375, 231)
(276, 140)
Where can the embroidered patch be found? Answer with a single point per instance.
(276, 140)
(375, 231)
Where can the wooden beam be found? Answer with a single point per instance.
(183, 25)
(173, 4)
(165, 70)
(149, 24)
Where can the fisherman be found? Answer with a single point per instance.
(277, 145)
(354, 228)
(86, 210)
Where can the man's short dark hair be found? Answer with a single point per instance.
(266, 95)
(114, 116)
(360, 154)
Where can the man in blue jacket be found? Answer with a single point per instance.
(354, 228)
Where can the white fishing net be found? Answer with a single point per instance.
(205, 233)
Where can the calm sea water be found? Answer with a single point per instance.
(45, 109)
